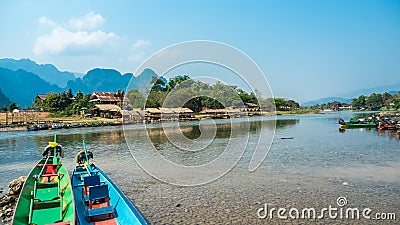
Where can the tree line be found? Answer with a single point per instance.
(375, 101)
(182, 91)
(179, 91)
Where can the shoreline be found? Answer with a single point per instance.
(119, 121)
(86, 122)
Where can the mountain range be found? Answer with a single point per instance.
(21, 81)
(4, 100)
(47, 72)
(348, 97)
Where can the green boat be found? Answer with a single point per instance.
(46, 197)
(358, 125)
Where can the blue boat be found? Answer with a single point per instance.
(59, 126)
(97, 198)
(33, 128)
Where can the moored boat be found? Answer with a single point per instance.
(46, 197)
(33, 128)
(97, 197)
(358, 125)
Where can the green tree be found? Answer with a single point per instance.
(78, 96)
(280, 104)
(64, 101)
(359, 103)
(374, 101)
(159, 84)
(136, 98)
(155, 99)
(12, 106)
(120, 94)
(69, 94)
(52, 102)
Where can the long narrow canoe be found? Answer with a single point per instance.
(358, 125)
(46, 197)
(99, 200)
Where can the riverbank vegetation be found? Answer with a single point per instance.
(375, 101)
(182, 91)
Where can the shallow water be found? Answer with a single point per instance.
(309, 164)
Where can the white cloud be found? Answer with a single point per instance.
(140, 43)
(89, 21)
(61, 40)
(136, 54)
(44, 21)
(81, 42)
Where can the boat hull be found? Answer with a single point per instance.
(124, 211)
(358, 125)
(59, 209)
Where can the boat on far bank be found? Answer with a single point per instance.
(355, 123)
(46, 197)
(97, 197)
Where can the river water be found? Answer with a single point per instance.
(310, 164)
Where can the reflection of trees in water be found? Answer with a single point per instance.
(286, 123)
(73, 142)
(157, 135)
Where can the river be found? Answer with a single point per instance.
(310, 164)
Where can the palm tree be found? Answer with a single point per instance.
(120, 94)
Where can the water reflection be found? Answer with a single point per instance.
(314, 143)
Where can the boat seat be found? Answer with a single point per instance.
(46, 185)
(40, 165)
(100, 211)
(99, 193)
(51, 210)
(49, 177)
(50, 168)
(46, 204)
(80, 172)
(90, 181)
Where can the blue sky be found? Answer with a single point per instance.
(306, 49)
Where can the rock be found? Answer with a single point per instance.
(16, 185)
(178, 205)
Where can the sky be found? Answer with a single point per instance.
(306, 49)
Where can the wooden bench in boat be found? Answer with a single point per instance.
(98, 195)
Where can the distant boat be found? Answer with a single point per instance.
(46, 197)
(43, 127)
(78, 125)
(33, 128)
(59, 126)
(328, 111)
(357, 125)
(97, 198)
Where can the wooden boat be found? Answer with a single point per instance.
(46, 197)
(33, 128)
(59, 126)
(358, 125)
(386, 127)
(97, 198)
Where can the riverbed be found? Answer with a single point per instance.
(310, 164)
